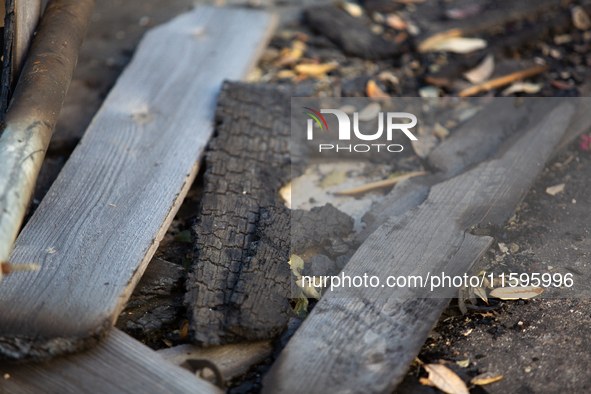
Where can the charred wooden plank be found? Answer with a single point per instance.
(240, 283)
(247, 162)
(156, 303)
(351, 34)
(99, 225)
(429, 16)
(362, 339)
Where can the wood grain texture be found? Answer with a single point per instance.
(232, 360)
(473, 142)
(361, 340)
(103, 218)
(120, 364)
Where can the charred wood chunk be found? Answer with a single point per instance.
(322, 226)
(247, 162)
(351, 34)
(240, 284)
(383, 6)
(259, 306)
(156, 303)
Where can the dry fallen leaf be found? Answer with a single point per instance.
(522, 87)
(481, 292)
(370, 112)
(291, 55)
(353, 9)
(581, 19)
(296, 263)
(348, 109)
(460, 45)
(554, 190)
(315, 69)
(255, 75)
(483, 71)
(285, 194)
(373, 90)
(285, 74)
(430, 42)
(440, 131)
(445, 379)
(464, 363)
(515, 293)
(429, 91)
(486, 378)
(388, 76)
(395, 22)
(333, 178)
(513, 248)
(503, 248)
(424, 145)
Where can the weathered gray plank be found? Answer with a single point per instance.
(362, 339)
(120, 364)
(103, 218)
(232, 360)
(474, 141)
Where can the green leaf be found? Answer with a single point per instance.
(186, 262)
(183, 237)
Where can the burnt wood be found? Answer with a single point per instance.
(240, 284)
(351, 34)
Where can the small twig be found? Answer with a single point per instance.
(377, 185)
(502, 81)
(7, 268)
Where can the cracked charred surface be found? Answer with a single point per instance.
(240, 284)
(247, 163)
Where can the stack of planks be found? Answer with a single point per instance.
(103, 218)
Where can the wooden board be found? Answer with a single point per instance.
(473, 142)
(363, 339)
(232, 360)
(103, 218)
(240, 283)
(351, 34)
(120, 364)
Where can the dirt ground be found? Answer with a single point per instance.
(539, 345)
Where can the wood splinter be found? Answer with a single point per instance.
(6, 268)
(503, 81)
(379, 184)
